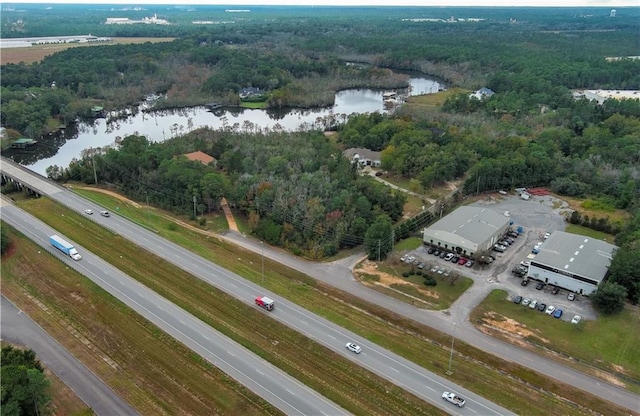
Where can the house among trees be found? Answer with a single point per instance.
(363, 157)
(23, 143)
(201, 157)
(483, 92)
(250, 92)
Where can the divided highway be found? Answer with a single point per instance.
(394, 368)
(266, 380)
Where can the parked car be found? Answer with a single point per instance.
(557, 313)
(525, 263)
(462, 261)
(354, 347)
(526, 302)
(448, 257)
(431, 250)
(499, 248)
(533, 304)
(513, 234)
(88, 212)
(441, 270)
(504, 243)
(410, 259)
(435, 269)
(542, 307)
(447, 272)
(421, 266)
(576, 319)
(517, 299)
(443, 254)
(437, 252)
(547, 235)
(403, 258)
(455, 259)
(469, 263)
(524, 282)
(555, 290)
(550, 309)
(540, 286)
(571, 296)
(509, 240)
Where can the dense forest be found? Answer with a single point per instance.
(296, 189)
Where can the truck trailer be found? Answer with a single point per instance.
(64, 246)
(265, 302)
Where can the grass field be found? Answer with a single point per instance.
(588, 232)
(506, 383)
(610, 343)
(39, 52)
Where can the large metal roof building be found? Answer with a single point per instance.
(467, 231)
(572, 261)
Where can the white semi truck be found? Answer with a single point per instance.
(64, 246)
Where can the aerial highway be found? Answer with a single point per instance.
(19, 329)
(339, 276)
(261, 377)
(394, 368)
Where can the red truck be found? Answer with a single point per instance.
(265, 302)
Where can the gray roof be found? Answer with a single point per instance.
(362, 153)
(468, 226)
(576, 254)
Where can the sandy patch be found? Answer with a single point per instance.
(386, 279)
(511, 326)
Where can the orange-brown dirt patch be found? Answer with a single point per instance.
(386, 279)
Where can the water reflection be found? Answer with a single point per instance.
(159, 126)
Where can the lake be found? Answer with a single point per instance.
(161, 125)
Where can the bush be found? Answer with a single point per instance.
(419, 272)
(430, 281)
(406, 274)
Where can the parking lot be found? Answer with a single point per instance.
(537, 216)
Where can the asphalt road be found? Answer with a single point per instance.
(402, 372)
(266, 380)
(19, 329)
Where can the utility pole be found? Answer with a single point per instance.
(95, 175)
(148, 212)
(194, 207)
(378, 249)
(453, 338)
(262, 257)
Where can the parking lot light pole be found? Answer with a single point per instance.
(453, 338)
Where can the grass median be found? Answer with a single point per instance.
(506, 383)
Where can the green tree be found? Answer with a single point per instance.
(24, 385)
(609, 298)
(625, 271)
(378, 241)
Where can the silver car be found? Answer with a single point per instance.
(354, 347)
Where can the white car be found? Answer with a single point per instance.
(448, 257)
(403, 258)
(550, 309)
(104, 213)
(576, 319)
(547, 235)
(525, 263)
(88, 212)
(533, 304)
(354, 347)
(571, 296)
(526, 302)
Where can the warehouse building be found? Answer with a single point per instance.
(467, 231)
(573, 262)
